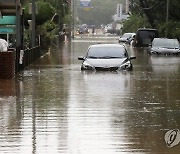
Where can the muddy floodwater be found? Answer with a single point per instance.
(54, 108)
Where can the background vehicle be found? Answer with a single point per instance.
(144, 37)
(127, 38)
(164, 46)
(106, 57)
(82, 29)
(107, 29)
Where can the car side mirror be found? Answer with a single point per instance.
(81, 58)
(132, 57)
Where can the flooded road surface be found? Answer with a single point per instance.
(54, 108)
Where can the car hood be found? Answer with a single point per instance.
(105, 63)
(164, 50)
(123, 39)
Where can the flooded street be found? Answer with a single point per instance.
(54, 108)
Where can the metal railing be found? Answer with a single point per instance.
(25, 57)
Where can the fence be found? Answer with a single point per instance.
(13, 61)
(25, 57)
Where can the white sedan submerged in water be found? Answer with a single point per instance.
(106, 57)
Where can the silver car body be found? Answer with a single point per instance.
(127, 37)
(106, 57)
(165, 46)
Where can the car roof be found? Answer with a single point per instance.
(164, 39)
(130, 33)
(146, 29)
(107, 45)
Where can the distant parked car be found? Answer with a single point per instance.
(164, 46)
(106, 57)
(127, 38)
(144, 37)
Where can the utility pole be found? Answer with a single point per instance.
(127, 6)
(167, 17)
(74, 15)
(167, 11)
(33, 23)
(72, 11)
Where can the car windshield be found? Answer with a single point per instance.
(107, 52)
(126, 35)
(166, 43)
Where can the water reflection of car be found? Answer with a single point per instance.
(144, 37)
(106, 57)
(165, 64)
(127, 38)
(164, 46)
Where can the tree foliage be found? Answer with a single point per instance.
(134, 22)
(45, 12)
(50, 18)
(156, 13)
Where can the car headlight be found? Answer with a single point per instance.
(87, 66)
(126, 66)
(155, 50)
(152, 49)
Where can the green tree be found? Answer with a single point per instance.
(156, 13)
(134, 22)
(45, 12)
(50, 18)
(62, 9)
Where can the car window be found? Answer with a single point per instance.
(107, 52)
(126, 35)
(166, 43)
(146, 36)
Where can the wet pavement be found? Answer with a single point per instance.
(54, 108)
